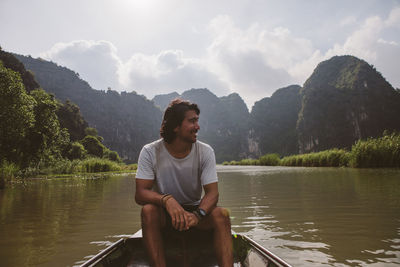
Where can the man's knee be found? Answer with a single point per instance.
(150, 214)
(220, 217)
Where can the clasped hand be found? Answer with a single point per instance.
(181, 219)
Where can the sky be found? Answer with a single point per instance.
(250, 47)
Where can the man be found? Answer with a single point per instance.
(179, 167)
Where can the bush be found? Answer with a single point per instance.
(98, 165)
(93, 146)
(111, 155)
(77, 151)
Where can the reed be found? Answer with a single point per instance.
(98, 165)
(383, 152)
(328, 158)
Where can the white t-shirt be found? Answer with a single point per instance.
(182, 178)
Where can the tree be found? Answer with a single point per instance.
(16, 115)
(76, 151)
(70, 118)
(93, 146)
(46, 140)
(112, 155)
(93, 132)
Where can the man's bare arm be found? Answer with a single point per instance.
(144, 195)
(210, 198)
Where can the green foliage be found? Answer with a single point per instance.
(269, 160)
(76, 151)
(93, 146)
(266, 160)
(328, 158)
(11, 62)
(46, 140)
(7, 172)
(126, 121)
(377, 153)
(17, 115)
(99, 165)
(111, 155)
(129, 167)
(70, 118)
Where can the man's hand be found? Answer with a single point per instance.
(192, 220)
(180, 217)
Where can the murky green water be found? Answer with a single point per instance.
(307, 216)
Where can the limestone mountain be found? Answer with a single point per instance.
(126, 121)
(162, 101)
(273, 122)
(345, 99)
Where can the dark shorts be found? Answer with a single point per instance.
(168, 219)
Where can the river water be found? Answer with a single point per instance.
(307, 216)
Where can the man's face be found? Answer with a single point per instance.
(187, 131)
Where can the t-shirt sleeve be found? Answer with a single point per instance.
(145, 168)
(209, 169)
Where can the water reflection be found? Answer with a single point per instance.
(307, 216)
(314, 217)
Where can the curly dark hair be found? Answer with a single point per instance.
(173, 117)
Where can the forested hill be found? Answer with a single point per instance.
(126, 121)
(344, 100)
(223, 121)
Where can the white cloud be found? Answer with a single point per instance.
(168, 71)
(366, 43)
(95, 61)
(256, 61)
(253, 61)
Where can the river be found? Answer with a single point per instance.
(307, 216)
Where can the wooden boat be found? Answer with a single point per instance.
(182, 250)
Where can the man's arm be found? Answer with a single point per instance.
(210, 198)
(207, 203)
(144, 195)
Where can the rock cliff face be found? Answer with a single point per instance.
(273, 122)
(345, 99)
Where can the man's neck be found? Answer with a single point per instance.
(179, 148)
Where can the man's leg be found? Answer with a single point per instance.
(153, 220)
(219, 220)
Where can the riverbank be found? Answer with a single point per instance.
(64, 168)
(383, 152)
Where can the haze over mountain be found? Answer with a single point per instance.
(345, 99)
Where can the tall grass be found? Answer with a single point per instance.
(266, 160)
(7, 172)
(98, 165)
(381, 152)
(328, 158)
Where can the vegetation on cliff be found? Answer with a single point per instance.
(36, 128)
